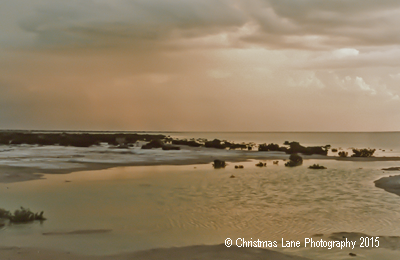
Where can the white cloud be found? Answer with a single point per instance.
(364, 86)
(345, 52)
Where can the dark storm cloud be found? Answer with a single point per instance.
(304, 24)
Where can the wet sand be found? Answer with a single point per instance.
(389, 184)
(202, 252)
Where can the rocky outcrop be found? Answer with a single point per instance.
(295, 147)
(215, 144)
(72, 139)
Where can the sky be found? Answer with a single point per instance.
(200, 65)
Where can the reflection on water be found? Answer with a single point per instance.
(163, 206)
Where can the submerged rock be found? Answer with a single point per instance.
(261, 164)
(316, 167)
(219, 164)
(295, 160)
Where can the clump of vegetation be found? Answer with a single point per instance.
(21, 215)
(343, 154)
(316, 166)
(334, 150)
(261, 164)
(219, 164)
(363, 152)
(239, 166)
(294, 160)
(4, 213)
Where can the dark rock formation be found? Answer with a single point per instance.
(343, 154)
(153, 144)
(272, 147)
(334, 150)
(261, 164)
(215, 144)
(295, 160)
(170, 147)
(191, 143)
(239, 166)
(219, 164)
(72, 139)
(316, 167)
(295, 147)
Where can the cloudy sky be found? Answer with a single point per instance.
(205, 65)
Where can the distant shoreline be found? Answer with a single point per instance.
(138, 157)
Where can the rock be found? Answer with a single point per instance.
(352, 254)
(294, 160)
(334, 150)
(343, 154)
(239, 167)
(215, 144)
(275, 162)
(271, 147)
(153, 144)
(295, 147)
(170, 147)
(219, 164)
(232, 176)
(261, 164)
(316, 166)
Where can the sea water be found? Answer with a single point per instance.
(163, 206)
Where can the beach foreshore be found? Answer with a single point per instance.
(176, 253)
(390, 184)
(31, 162)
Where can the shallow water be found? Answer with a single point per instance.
(164, 206)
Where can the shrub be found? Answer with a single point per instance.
(363, 152)
(343, 154)
(25, 215)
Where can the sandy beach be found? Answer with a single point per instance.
(184, 253)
